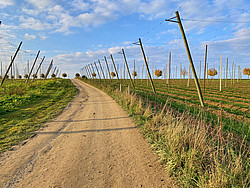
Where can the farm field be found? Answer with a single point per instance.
(235, 100)
(25, 107)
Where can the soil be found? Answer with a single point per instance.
(93, 143)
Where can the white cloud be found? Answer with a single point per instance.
(29, 37)
(80, 5)
(34, 24)
(5, 3)
(41, 4)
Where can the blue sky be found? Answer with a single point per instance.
(77, 32)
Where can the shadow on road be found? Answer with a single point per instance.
(85, 131)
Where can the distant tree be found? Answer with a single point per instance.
(77, 75)
(64, 75)
(246, 71)
(20, 76)
(113, 74)
(184, 72)
(7, 76)
(12, 77)
(94, 74)
(34, 76)
(26, 76)
(53, 75)
(158, 73)
(134, 73)
(212, 72)
(42, 75)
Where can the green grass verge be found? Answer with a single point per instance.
(26, 107)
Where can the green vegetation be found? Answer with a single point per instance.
(26, 107)
(187, 138)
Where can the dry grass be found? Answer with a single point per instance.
(191, 150)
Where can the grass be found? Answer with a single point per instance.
(26, 107)
(189, 147)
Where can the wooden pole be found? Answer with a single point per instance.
(142, 72)
(226, 73)
(127, 68)
(39, 66)
(169, 69)
(190, 59)
(220, 70)
(188, 76)
(205, 66)
(49, 68)
(32, 67)
(134, 72)
(97, 71)
(12, 60)
(101, 70)
(107, 67)
(114, 66)
(146, 64)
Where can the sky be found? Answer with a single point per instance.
(75, 33)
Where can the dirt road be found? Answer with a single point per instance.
(93, 143)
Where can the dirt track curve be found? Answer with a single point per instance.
(93, 143)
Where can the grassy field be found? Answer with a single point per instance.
(26, 107)
(186, 137)
(235, 100)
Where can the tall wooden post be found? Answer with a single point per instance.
(142, 72)
(205, 66)
(226, 73)
(107, 67)
(101, 70)
(220, 70)
(32, 67)
(114, 66)
(97, 71)
(146, 64)
(134, 72)
(169, 72)
(190, 59)
(124, 56)
(39, 66)
(49, 68)
(12, 60)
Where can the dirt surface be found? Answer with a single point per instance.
(93, 143)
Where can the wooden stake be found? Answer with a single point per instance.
(12, 60)
(220, 69)
(32, 67)
(169, 68)
(226, 73)
(107, 67)
(128, 68)
(101, 70)
(114, 66)
(39, 66)
(50, 67)
(97, 71)
(190, 59)
(205, 66)
(146, 64)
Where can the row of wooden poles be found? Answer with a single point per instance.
(89, 69)
(10, 67)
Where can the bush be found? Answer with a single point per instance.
(77, 75)
(158, 73)
(212, 72)
(20, 76)
(134, 73)
(64, 75)
(53, 75)
(42, 75)
(113, 74)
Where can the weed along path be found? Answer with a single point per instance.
(93, 143)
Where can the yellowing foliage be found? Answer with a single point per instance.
(246, 71)
(94, 74)
(113, 74)
(158, 72)
(212, 72)
(134, 73)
